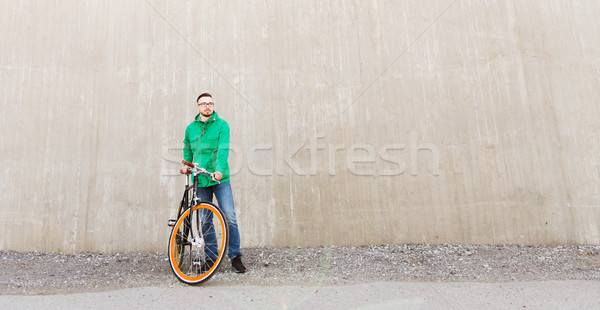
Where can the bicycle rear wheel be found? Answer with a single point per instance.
(198, 243)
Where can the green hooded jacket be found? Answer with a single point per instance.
(207, 144)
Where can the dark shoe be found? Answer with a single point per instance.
(202, 267)
(237, 265)
(207, 265)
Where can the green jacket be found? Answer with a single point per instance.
(207, 143)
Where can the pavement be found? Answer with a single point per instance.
(577, 294)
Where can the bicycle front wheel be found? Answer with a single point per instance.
(198, 243)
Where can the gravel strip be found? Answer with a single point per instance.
(36, 273)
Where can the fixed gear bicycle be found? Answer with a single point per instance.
(199, 237)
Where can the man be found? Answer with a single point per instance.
(206, 142)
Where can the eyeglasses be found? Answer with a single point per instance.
(206, 104)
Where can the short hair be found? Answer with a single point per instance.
(204, 95)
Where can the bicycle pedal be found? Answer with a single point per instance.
(172, 222)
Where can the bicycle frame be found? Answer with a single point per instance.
(185, 200)
(184, 205)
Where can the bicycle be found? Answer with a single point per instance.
(198, 240)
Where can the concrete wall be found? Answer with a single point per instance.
(352, 122)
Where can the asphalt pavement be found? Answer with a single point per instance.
(577, 294)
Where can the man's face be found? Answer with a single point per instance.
(205, 106)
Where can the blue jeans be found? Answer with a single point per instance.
(225, 199)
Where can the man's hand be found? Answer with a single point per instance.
(185, 170)
(218, 175)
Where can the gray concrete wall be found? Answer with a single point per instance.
(352, 122)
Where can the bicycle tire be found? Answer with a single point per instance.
(198, 237)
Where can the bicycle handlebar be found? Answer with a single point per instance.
(187, 163)
(197, 171)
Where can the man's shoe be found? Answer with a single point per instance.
(237, 265)
(207, 265)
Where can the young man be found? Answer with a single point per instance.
(206, 142)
